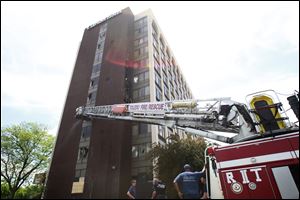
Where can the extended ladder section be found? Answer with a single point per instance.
(198, 117)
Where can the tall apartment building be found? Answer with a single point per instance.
(122, 59)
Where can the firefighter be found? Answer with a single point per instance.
(187, 183)
(159, 189)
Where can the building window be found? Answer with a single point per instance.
(147, 90)
(144, 63)
(143, 129)
(141, 41)
(98, 57)
(141, 77)
(165, 78)
(142, 150)
(163, 65)
(135, 129)
(160, 131)
(146, 74)
(167, 98)
(137, 53)
(134, 151)
(135, 79)
(140, 51)
(155, 43)
(163, 56)
(166, 90)
(92, 97)
(96, 68)
(136, 64)
(162, 44)
(103, 27)
(172, 96)
(156, 66)
(157, 80)
(141, 92)
(158, 94)
(83, 153)
(154, 30)
(94, 82)
(156, 55)
(168, 54)
(86, 131)
(141, 63)
(140, 30)
(141, 22)
(135, 94)
(102, 35)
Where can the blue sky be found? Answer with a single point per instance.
(223, 48)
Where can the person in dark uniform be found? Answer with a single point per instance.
(159, 189)
(203, 188)
(132, 190)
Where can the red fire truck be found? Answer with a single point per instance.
(260, 161)
(260, 168)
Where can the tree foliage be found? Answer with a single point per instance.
(171, 158)
(28, 192)
(25, 150)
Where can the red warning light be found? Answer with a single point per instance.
(210, 151)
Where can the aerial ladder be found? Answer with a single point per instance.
(198, 117)
(202, 117)
(261, 160)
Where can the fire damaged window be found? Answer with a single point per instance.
(144, 76)
(94, 82)
(134, 151)
(83, 153)
(102, 35)
(92, 97)
(142, 150)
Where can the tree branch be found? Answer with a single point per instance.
(28, 174)
(6, 168)
(21, 171)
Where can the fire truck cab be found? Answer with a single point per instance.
(266, 166)
(242, 171)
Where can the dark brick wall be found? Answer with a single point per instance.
(110, 140)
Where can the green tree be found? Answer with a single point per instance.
(28, 192)
(25, 150)
(171, 158)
